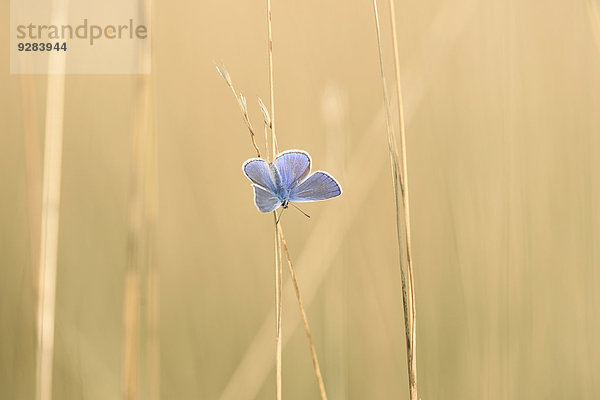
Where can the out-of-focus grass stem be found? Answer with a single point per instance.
(594, 15)
(141, 363)
(50, 216)
(34, 171)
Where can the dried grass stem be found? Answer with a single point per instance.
(401, 198)
(313, 352)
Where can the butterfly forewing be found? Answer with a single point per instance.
(318, 186)
(257, 170)
(293, 166)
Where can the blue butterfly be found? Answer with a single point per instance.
(287, 179)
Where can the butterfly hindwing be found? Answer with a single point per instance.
(318, 186)
(265, 200)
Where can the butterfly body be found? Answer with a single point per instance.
(280, 191)
(287, 179)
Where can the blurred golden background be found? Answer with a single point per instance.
(503, 131)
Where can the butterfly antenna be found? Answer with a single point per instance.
(298, 208)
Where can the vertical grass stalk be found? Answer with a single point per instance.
(278, 309)
(280, 242)
(49, 235)
(278, 271)
(33, 157)
(50, 215)
(152, 283)
(594, 15)
(140, 367)
(136, 252)
(313, 352)
(141, 283)
(401, 197)
(269, 122)
(271, 86)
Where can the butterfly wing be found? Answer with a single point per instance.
(265, 200)
(318, 186)
(257, 170)
(293, 166)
